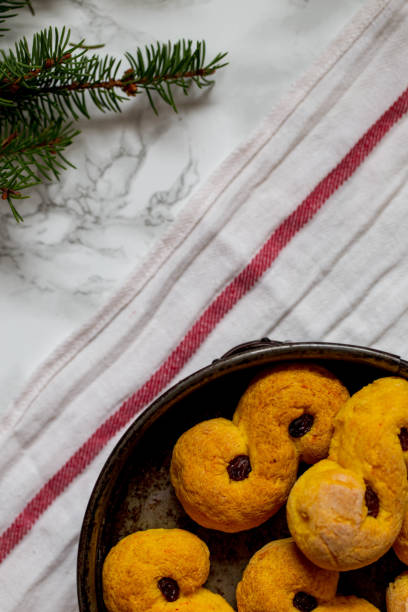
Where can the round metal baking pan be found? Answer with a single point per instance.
(133, 490)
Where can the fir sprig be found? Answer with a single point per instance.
(51, 81)
(7, 8)
(58, 75)
(32, 154)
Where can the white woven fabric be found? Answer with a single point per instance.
(341, 277)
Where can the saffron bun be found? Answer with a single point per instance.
(280, 578)
(346, 511)
(159, 570)
(234, 475)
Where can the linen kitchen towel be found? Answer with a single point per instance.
(301, 234)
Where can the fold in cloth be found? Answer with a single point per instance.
(300, 234)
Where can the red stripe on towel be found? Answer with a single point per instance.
(201, 329)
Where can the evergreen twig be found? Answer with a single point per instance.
(7, 8)
(44, 85)
(30, 155)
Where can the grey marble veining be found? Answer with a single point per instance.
(134, 171)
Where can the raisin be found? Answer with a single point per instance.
(372, 502)
(304, 601)
(300, 426)
(403, 436)
(169, 588)
(239, 467)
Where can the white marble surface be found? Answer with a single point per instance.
(82, 236)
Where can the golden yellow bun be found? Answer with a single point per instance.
(159, 570)
(276, 574)
(234, 475)
(346, 511)
(279, 578)
(397, 594)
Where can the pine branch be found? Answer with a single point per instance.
(59, 76)
(30, 155)
(7, 8)
(44, 84)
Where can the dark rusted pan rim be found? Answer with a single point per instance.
(133, 491)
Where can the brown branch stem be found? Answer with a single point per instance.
(39, 145)
(6, 192)
(127, 84)
(14, 86)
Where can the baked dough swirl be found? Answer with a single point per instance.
(280, 578)
(159, 570)
(234, 475)
(346, 511)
